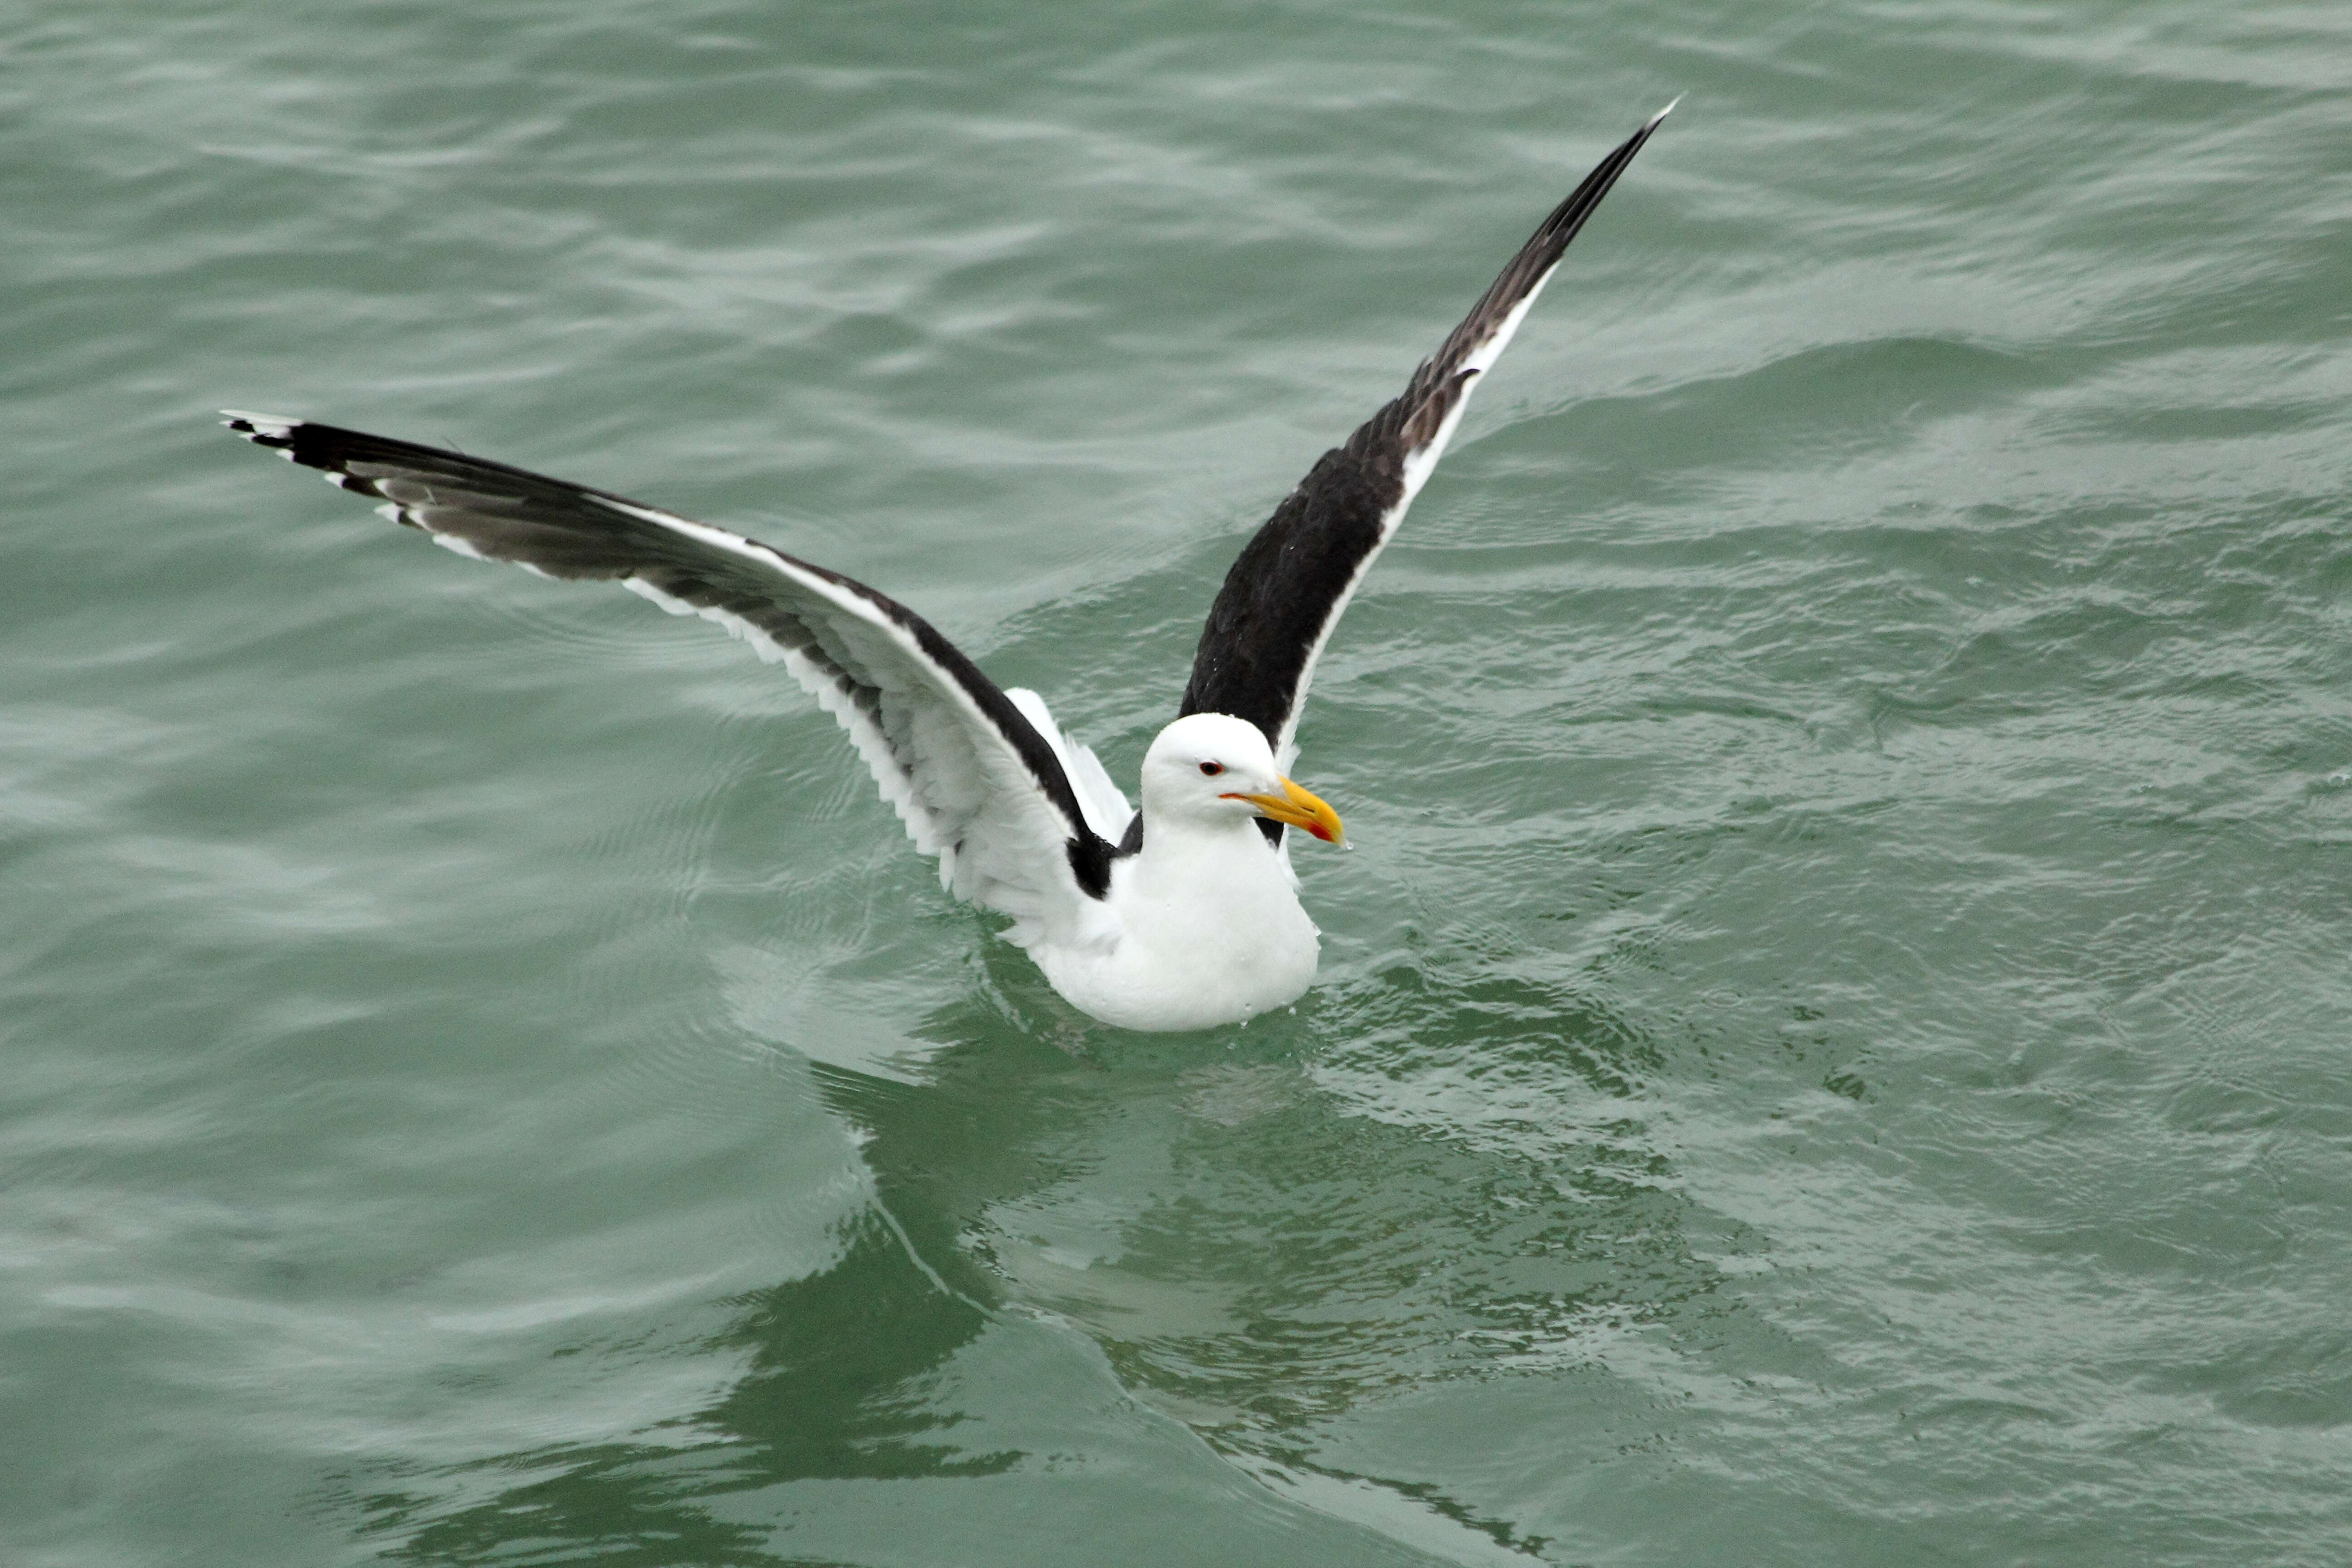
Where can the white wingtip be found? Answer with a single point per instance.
(268, 429)
(1661, 114)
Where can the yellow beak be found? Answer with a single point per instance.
(1299, 809)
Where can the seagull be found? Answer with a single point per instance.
(1183, 915)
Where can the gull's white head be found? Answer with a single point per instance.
(1214, 770)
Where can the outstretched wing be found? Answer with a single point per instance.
(975, 783)
(1287, 590)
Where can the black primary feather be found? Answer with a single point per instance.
(563, 530)
(1292, 580)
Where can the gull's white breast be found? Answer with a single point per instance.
(1211, 931)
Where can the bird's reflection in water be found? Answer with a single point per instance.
(835, 1389)
(1350, 1207)
(1418, 1180)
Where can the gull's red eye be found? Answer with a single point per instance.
(1213, 769)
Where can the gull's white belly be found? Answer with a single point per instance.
(1215, 944)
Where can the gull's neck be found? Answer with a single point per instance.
(1187, 856)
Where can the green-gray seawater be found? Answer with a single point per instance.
(1835, 1045)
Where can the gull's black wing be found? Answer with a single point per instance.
(975, 783)
(1292, 580)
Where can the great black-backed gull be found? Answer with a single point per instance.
(1183, 916)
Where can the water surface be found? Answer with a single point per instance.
(1831, 1049)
